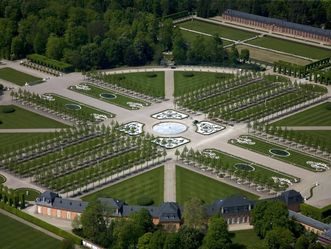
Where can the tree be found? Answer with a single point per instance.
(17, 49)
(143, 219)
(172, 241)
(190, 238)
(268, 215)
(244, 55)
(179, 50)
(194, 214)
(234, 55)
(54, 47)
(166, 34)
(157, 240)
(143, 241)
(217, 235)
(279, 238)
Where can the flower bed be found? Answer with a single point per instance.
(208, 128)
(170, 142)
(169, 114)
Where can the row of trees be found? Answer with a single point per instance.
(11, 197)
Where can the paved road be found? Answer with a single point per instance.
(37, 130)
(170, 181)
(308, 128)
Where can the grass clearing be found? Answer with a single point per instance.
(22, 118)
(324, 137)
(14, 234)
(17, 77)
(30, 194)
(296, 158)
(223, 31)
(196, 80)
(16, 140)
(191, 36)
(191, 184)
(291, 47)
(319, 115)
(120, 100)
(149, 184)
(247, 238)
(271, 57)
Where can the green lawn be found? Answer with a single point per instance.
(18, 77)
(322, 136)
(296, 158)
(22, 118)
(247, 238)
(120, 100)
(88, 110)
(190, 184)
(291, 47)
(190, 37)
(16, 235)
(149, 184)
(11, 140)
(198, 80)
(148, 83)
(316, 116)
(223, 31)
(30, 194)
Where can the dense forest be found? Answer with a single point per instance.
(92, 34)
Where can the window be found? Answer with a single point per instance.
(49, 211)
(58, 213)
(69, 215)
(39, 210)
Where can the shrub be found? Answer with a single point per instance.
(188, 74)
(0, 122)
(328, 106)
(145, 201)
(8, 109)
(151, 75)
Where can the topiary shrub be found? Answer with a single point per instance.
(328, 106)
(188, 74)
(0, 122)
(145, 201)
(151, 75)
(8, 109)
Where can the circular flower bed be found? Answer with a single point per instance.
(107, 96)
(244, 166)
(280, 152)
(74, 107)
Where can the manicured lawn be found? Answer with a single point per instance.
(11, 140)
(317, 116)
(30, 194)
(271, 57)
(2, 179)
(120, 100)
(198, 80)
(190, 184)
(22, 118)
(259, 169)
(291, 47)
(247, 238)
(87, 110)
(296, 158)
(190, 37)
(153, 86)
(223, 31)
(322, 136)
(149, 184)
(18, 77)
(16, 235)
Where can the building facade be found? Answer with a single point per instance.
(278, 26)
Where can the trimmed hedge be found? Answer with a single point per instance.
(55, 64)
(41, 223)
(8, 109)
(188, 74)
(320, 214)
(145, 201)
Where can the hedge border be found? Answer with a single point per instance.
(77, 240)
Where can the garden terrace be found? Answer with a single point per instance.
(319, 115)
(147, 83)
(147, 185)
(55, 64)
(247, 98)
(292, 156)
(14, 117)
(226, 165)
(22, 236)
(195, 81)
(17, 77)
(57, 105)
(80, 164)
(114, 98)
(223, 31)
(190, 184)
(291, 47)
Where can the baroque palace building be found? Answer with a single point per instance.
(278, 26)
